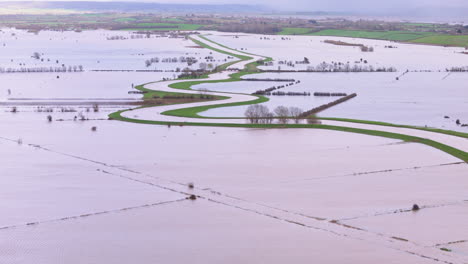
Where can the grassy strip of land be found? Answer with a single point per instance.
(382, 35)
(251, 67)
(267, 59)
(159, 98)
(404, 36)
(204, 45)
(444, 40)
(294, 31)
(447, 149)
(193, 112)
(151, 94)
(235, 77)
(436, 130)
(164, 27)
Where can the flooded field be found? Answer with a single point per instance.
(65, 183)
(96, 190)
(294, 48)
(416, 99)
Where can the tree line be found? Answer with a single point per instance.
(261, 114)
(75, 68)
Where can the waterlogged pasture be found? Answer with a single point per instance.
(112, 180)
(94, 51)
(294, 48)
(415, 99)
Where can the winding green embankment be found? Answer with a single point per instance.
(193, 112)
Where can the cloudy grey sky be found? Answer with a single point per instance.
(339, 4)
(363, 6)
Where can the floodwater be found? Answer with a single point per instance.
(105, 187)
(403, 57)
(94, 51)
(118, 194)
(435, 98)
(416, 99)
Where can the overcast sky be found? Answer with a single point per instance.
(377, 6)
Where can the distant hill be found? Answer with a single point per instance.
(84, 6)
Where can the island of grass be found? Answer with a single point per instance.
(159, 98)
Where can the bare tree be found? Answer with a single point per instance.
(282, 113)
(203, 66)
(295, 113)
(36, 55)
(258, 114)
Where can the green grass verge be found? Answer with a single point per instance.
(193, 112)
(294, 31)
(150, 94)
(251, 67)
(204, 45)
(179, 26)
(226, 47)
(406, 36)
(444, 40)
(162, 27)
(436, 130)
(447, 149)
(235, 77)
(382, 35)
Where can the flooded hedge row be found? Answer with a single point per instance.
(326, 106)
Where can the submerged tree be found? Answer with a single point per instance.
(295, 113)
(282, 112)
(36, 55)
(258, 114)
